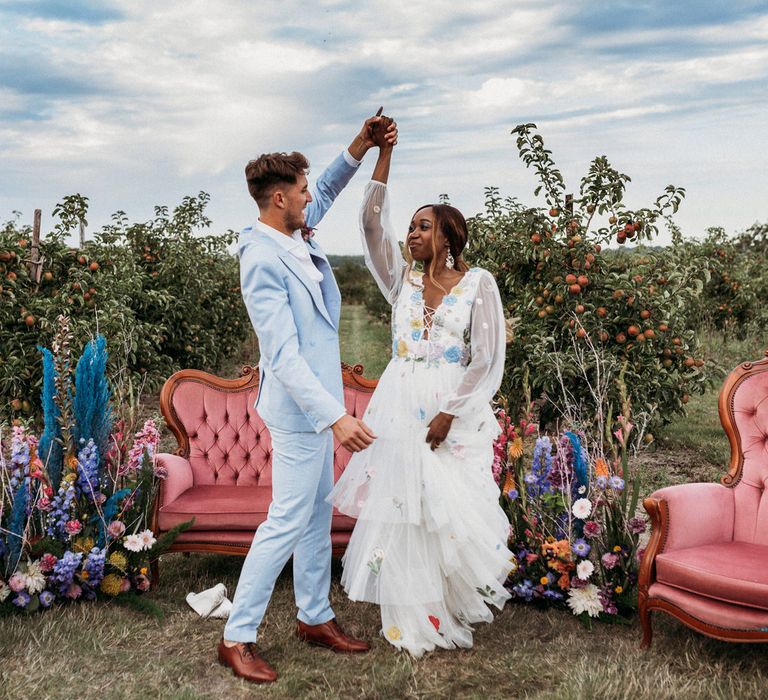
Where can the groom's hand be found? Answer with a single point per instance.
(365, 139)
(352, 433)
(438, 430)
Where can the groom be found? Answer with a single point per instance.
(294, 304)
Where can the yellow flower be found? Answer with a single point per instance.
(83, 544)
(70, 478)
(118, 560)
(618, 589)
(601, 467)
(84, 574)
(402, 348)
(617, 548)
(111, 584)
(143, 570)
(515, 449)
(72, 462)
(393, 633)
(417, 323)
(544, 581)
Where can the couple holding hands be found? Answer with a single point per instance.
(430, 543)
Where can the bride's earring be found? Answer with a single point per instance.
(449, 261)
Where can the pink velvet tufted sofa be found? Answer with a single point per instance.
(707, 561)
(221, 473)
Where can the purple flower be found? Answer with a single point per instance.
(601, 481)
(592, 529)
(64, 571)
(513, 494)
(46, 599)
(21, 599)
(115, 529)
(581, 548)
(637, 525)
(610, 560)
(616, 483)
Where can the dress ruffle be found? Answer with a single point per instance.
(430, 543)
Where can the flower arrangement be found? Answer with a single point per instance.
(573, 530)
(75, 504)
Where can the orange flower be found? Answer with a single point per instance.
(515, 449)
(601, 467)
(509, 482)
(564, 582)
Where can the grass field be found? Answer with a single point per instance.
(108, 651)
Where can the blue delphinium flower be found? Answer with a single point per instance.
(581, 548)
(541, 467)
(46, 599)
(513, 494)
(94, 567)
(553, 595)
(64, 571)
(616, 483)
(59, 514)
(88, 471)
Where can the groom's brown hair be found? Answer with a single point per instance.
(269, 170)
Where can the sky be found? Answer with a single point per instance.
(137, 103)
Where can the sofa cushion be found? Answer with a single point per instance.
(227, 508)
(733, 572)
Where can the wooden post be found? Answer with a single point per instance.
(35, 264)
(569, 203)
(82, 233)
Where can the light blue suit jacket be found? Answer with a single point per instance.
(300, 385)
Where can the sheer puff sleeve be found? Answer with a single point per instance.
(382, 251)
(488, 349)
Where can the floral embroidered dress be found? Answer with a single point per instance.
(430, 543)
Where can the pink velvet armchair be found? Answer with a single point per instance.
(221, 473)
(707, 560)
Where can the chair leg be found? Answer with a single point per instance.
(645, 621)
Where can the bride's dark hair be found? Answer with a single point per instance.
(451, 222)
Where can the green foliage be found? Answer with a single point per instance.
(586, 312)
(164, 295)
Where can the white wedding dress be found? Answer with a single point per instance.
(430, 543)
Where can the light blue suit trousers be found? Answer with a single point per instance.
(300, 395)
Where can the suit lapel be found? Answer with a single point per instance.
(314, 290)
(331, 295)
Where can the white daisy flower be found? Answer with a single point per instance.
(585, 600)
(133, 543)
(582, 508)
(585, 569)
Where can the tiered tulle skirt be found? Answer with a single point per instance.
(430, 543)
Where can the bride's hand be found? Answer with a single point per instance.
(438, 430)
(384, 132)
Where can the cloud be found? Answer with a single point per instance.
(138, 102)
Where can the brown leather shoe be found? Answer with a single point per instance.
(330, 636)
(245, 662)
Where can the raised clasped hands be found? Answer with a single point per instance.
(438, 429)
(379, 130)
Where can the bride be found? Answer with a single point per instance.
(430, 543)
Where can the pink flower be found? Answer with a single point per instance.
(125, 586)
(160, 471)
(73, 527)
(17, 582)
(74, 592)
(142, 583)
(115, 529)
(637, 525)
(47, 562)
(44, 503)
(640, 553)
(610, 560)
(592, 529)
